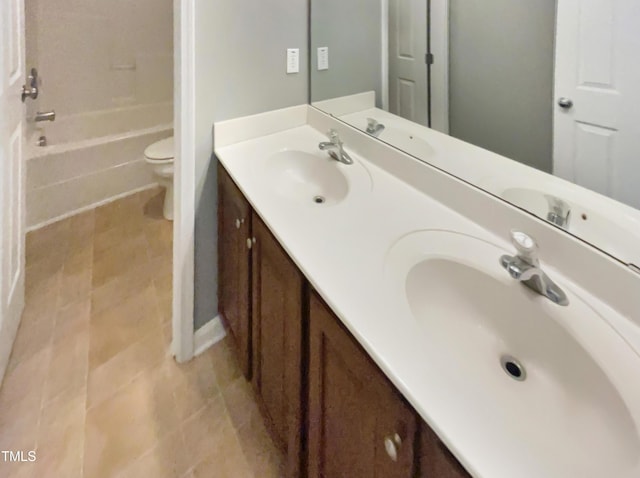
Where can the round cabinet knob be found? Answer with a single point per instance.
(238, 223)
(391, 445)
(565, 103)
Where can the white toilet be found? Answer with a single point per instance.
(160, 156)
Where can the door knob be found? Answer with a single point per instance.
(565, 103)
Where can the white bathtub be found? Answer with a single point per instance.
(91, 159)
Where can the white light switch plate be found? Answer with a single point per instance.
(293, 60)
(323, 58)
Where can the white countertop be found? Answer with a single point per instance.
(341, 250)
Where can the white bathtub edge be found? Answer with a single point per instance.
(90, 206)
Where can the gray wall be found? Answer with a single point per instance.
(352, 30)
(240, 70)
(501, 77)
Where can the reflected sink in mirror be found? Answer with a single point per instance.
(554, 377)
(532, 94)
(396, 132)
(611, 232)
(312, 179)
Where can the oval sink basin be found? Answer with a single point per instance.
(549, 384)
(308, 178)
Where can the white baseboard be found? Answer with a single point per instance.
(210, 333)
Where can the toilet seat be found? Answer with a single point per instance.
(162, 151)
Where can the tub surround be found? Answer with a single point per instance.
(406, 196)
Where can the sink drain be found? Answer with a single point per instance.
(513, 368)
(319, 199)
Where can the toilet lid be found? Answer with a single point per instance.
(162, 149)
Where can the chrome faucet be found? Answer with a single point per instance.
(45, 116)
(335, 148)
(559, 211)
(525, 267)
(374, 128)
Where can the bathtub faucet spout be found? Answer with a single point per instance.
(45, 116)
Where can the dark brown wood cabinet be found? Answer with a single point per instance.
(328, 406)
(359, 425)
(234, 259)
(435, 460)
(277, 314)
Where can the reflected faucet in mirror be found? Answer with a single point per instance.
(559, 211)
(374, 128)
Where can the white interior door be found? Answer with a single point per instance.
(12, 131)
(597, 130)
(408, 88)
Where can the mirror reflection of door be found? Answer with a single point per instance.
(598, 97)
(408, 81)
(501, 77)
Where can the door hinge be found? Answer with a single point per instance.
(428, 58)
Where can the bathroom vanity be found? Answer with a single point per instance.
(315, 383)
(384, 337)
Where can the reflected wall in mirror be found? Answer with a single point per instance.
(535, 102)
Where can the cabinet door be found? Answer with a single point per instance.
(435, 460)
(359, 426)
(277, 313)
(234, 229)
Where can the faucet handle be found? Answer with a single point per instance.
(372, 122)
(334, 136)
(526, 246)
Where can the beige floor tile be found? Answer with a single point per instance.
(122, 369)
(20, 433)
(159, 235)
(210, 433)
(72, 319)
(81, 227)
(119, 327)
(127, 255)
(61, 436)
(224, 362)
(68, 365)
(264, 459)
(117, 213)
(166, 460)
(152, 202)
(23, 387)
(112, 238)
(126, 285)
(167, 333)
(121, 429)
(75, 287)
(40, 243)
(41, 289)
(240, 401)
(34, 334)
(165, 306)
(90, 380)
(194, 384)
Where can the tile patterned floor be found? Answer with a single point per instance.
(90, 385)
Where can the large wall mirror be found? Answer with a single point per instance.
(544, 94)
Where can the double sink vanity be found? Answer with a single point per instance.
(398, 322)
